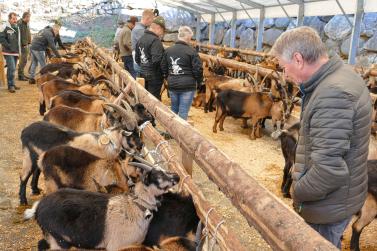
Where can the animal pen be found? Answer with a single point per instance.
(285, 231)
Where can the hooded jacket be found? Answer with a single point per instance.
(330, 173)
(10, 39)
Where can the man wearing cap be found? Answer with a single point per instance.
(124, 42)
(43, 40)
(23, 25)
(146, 20)
(148, 54)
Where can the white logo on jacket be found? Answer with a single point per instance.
(177, 70)
(143, 58)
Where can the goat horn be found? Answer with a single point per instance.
(110, 85)
(141, 165)
(143, 161)
(128, 116)
(126, 105)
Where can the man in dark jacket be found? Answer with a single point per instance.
(149, 51)
(57, 39)
(43, 40)
(10, 41)
(183, 69)
(330, 173)
(23, 25)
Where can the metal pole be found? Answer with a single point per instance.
(301, 14)
(212, 30)
(260, 30)
(356, 32)
(344, 13)
(198, 18)
(233, 31)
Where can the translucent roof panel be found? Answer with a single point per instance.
(272, 7)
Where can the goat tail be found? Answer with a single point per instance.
(29, 213)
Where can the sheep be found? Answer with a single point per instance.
(288, 139)
(82, 219)
(41, 136)
(369, 210)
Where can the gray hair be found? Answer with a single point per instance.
(304, 40)
(184, 32)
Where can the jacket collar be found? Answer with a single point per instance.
(7, 24)
(181, 42)
(332, 65)
(150, 32)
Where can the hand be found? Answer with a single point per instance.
(66, 51)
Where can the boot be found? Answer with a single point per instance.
(11, 89)
(32, 81)
(22, 78)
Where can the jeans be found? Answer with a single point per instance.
(11, 69)
(37, 57)
(129, 65)
(23, 61)
(181, 102)
(137, 69)
(332, 232)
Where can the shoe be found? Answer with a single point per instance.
(11, 89)
(22, 78)
(32, 81)
(16, 87)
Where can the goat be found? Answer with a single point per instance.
(170, 244)
(41, 136)
(77, 218)
(74, 98)
(175, 217)
(53, 87)
(242, 105)
(369, 210)
(66, 166)
(288, 139)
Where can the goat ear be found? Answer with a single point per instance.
(146, 178)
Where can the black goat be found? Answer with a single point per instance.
(288, 139)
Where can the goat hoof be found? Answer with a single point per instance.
(36, 191)
(286, 195)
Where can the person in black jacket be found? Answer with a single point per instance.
(44, 39)
(10, 41)
(57, 40)
(148, 54)
(183, 69)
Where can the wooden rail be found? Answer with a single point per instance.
(230, 49)
(279, 225)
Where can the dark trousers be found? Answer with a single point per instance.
(129, 65)
(23, 61)
(154, 87)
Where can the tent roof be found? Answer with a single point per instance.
(273, 8)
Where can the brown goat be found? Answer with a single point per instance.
(242, 105)
(53, 87)
(79, 100)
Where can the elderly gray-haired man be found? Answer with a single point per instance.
(183, 69)
(330, 173)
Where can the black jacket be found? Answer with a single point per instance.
(148, 54)
(10, 39)
(182, 67)
(44, 39)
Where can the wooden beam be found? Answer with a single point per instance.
(241, 51)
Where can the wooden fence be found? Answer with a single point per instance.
(278, 224)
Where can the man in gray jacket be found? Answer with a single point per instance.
(330, 173)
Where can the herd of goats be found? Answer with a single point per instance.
(100, 192)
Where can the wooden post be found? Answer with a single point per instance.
(141, 81)
(2, 68)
